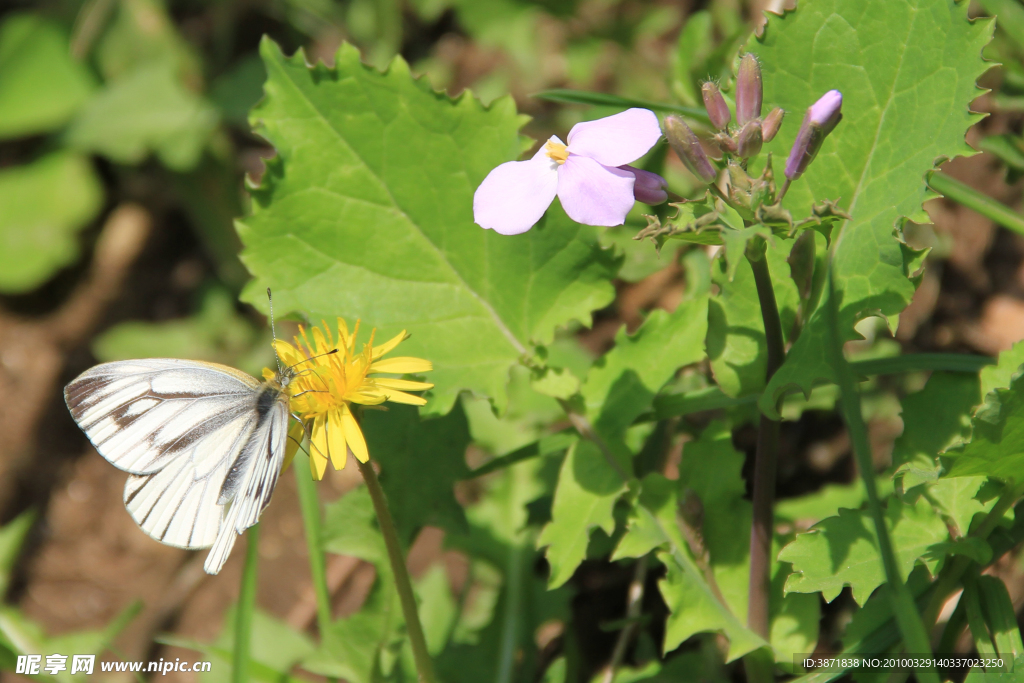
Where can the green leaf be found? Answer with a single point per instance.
(142, 34)
(526, 419)
(147, 111)
(620, 386)
(366, 212)
(217, 333)
(273, 644)
(937, 416)
(43, 205)
(842, 550)
(20, 634)
(588, 487)
(437, 609)
(420, 462)
(623, 383)
(1000, 616)
(12, 535)
(736, 342)
(711, 472)
(996, 448)
(826, 501)
(358, 647)
(41, 86)
(907, 70)
(350, 528)
(998, 376)
(959, 499)
(694, 605)
(495, 641)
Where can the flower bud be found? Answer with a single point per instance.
(748, 90)
(718, 110)
(748, 142)
(648, 188)
(822, 116)
(686, 145)
(771, 123)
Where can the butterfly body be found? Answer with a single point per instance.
(204, 444)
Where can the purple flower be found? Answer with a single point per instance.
(822, 116)
(584, 175)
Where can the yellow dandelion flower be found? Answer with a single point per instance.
(326, 386)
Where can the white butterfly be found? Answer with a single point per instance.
(204, 444)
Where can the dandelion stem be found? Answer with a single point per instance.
(311, 516)
(424, 666)
(246, 607)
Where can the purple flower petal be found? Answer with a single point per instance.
(593, 194)
(616, 140)
(514, 196)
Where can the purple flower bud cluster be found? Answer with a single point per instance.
(753, 129)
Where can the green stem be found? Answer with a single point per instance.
(914, 634)
(972, 199)
(424, 666)
(765, 461)
(246, 607)
(311, 517)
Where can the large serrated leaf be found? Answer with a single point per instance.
(843, 550)
(907, 70)
(367, 213)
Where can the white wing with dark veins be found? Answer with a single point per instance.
(204, 460)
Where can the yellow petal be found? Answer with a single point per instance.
(336, 440)
(321, 342)
(354, 436)
(403, 384)
(317, 466)
(319, 443)
(342, 333)
(367, 398)
(390, 344)
(268, 374)
(403, 365)
(407, 399)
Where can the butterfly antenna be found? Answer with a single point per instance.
(273, 331)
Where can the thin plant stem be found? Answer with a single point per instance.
(246, 608)
(783, 191)
(311, 517)
(765, 461)
(907, 617)
(634, 603)
(424, 665)
(976, 201)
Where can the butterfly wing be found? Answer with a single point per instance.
(140, 414)
(179, 427)
(251, 480)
